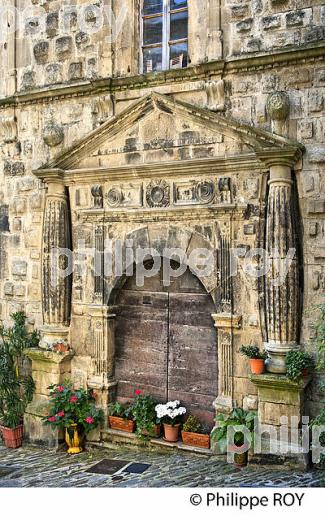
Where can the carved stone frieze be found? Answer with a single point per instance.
(158, 194)
(194, 192)
(97, 194)
(125, 196)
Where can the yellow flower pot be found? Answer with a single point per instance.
(73, 439)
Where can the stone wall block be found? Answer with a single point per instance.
(19, 268)
(244, 25)
(271, 22)
(41, 52)
(52, 24)
(63, 47)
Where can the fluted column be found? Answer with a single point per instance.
(282, 279)
(56, 285)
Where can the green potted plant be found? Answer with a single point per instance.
(256, 358)
(16, 387)
(193, 434)
(298, 363)
(320, 421)
(75, 411)
(121, 417)
(171, 415)
(237, 417)
(145, 416)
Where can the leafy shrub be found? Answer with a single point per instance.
(144, 414)
(252, 352)
(237, 417)
(192, 425)
(296, 362)
(124, 411)
(16, 390)
(73, 406)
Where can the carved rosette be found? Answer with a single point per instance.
(278, 106)
(158, 194)
(56, 236)
(282, 293)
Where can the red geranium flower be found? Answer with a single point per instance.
(89, 420)
(60, 414)
(52, 419)
(138, 392)
(60, 388)
(73, 399)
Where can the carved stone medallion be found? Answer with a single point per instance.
(53, 134)
(278, 106)
(205, 191)
(114, 197)
(158, 194)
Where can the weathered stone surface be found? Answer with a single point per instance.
(19, 268)
(53, 134)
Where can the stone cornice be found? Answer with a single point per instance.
(170, 214)
(195, 167)
(292, 56)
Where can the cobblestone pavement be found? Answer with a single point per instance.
(34, 467)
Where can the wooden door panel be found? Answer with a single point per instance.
(141, 344)
(192, 364)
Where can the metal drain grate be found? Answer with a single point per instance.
(137, 467)
(108, 467)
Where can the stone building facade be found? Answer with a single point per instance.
(221, 147)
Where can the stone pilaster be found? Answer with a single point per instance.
(282, 303)
(56, 280)
(225, 324)
(103, 322)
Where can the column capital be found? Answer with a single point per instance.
(227, 321)
(276, 157)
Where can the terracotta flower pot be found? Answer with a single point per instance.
(13, 437)
(74, 439)
(198, 440)
(171, 432)
(117, 423)
(257, 366)
(155, 433)
(241, 459)
(61, 347)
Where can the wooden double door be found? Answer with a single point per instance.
(166, 343)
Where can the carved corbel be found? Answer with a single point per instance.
(9, 128)
(102, 109)
(216, 95)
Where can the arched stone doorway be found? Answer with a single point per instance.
(166, 343)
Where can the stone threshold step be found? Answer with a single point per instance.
(117, 436)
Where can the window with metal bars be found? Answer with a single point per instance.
(164, 35)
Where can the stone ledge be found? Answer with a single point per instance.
(280, 382)
(119, 437)
(201, 71)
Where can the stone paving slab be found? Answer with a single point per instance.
(35, 467)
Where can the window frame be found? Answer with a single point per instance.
(166, 42)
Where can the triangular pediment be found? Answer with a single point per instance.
(158, 128)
